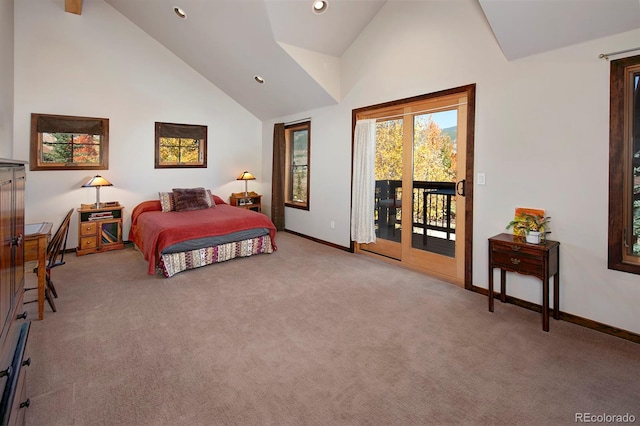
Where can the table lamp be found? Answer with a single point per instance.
(246, 176)
(97, 181)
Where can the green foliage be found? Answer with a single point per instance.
(70, 148)
(179, 150)
(434, 158)
(529, 222)
(434, 155)
(389, 150)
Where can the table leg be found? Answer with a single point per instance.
(490, 289)
(503, 286)
(556, 296)
(545, 304)
(42, 270)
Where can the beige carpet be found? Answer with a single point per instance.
(309, 335)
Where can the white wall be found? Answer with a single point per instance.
(99, 64)
(541, 137)
(6, 79)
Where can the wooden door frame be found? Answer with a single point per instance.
(470, 91)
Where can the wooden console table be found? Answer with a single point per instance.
(542, 260)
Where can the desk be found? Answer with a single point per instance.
(542, 260)
(36, 238)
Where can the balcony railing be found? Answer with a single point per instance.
(433, 206)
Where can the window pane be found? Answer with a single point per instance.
(169, 154)
(86, 154)
(435, 164)
(298, 142)
(70, 148)
(299, 166)
(189, 151)
(388, 174)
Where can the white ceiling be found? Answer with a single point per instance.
(298, 52)
(527, 27)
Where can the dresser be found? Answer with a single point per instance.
(512, 254)
(13, 318)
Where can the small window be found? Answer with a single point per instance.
(624, 166)
(61, 142)
(298, 139)
(180, 145)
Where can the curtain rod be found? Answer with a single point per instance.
(297, 121)
(418, 112)
(606, 55)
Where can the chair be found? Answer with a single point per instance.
(388, 203)
(55, 250)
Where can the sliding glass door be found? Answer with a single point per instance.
(420, 172)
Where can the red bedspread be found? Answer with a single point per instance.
(153, 230)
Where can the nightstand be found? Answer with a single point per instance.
(99, 230)
(249, 201)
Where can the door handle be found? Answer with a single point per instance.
(460, 187)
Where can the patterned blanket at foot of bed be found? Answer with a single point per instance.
(171, 264)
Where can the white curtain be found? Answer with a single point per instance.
(364, 182)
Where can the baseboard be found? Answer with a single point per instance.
(575, 319)
(326, 243)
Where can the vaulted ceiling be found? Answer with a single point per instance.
(297, 51)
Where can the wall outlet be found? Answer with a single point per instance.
(332, 224)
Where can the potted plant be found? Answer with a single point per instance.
(533, 227)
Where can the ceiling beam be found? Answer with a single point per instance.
(73, 6)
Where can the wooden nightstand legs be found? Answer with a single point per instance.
(545, 295)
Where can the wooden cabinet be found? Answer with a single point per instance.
(15, 328)
(250, 201)
(509, 253)
(99, 230)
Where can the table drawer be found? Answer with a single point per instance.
(87, 243)
(88, 228)
(517, 249)
(518, 263)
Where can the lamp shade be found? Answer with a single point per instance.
(246, 176)
(97, 180)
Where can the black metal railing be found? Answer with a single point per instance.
(433, 205)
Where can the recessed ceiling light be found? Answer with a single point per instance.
(320, 6)
(181, 13)
(259, 79)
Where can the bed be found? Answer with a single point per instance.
(173, 241)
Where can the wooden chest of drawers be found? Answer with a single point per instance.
(509, 253)
(99, 230)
